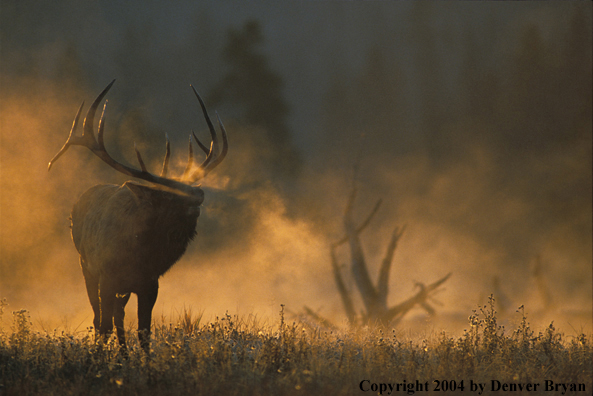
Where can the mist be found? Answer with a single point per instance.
(472, 121)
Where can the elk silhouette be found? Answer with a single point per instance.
(129, 235)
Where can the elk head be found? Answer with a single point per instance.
(129, 235)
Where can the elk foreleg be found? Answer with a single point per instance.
(146, 301)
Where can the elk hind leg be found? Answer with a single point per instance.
(107, 300)
(146, 299)
(118, 317)
(92, 289)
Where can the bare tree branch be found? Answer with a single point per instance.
(362, 226)
(358, 264)
(346, 300)
(319, 319)
(397, 312)
(383, 281)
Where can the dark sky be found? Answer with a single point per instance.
(178, 43)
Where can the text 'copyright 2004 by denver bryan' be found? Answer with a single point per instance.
(470, 386)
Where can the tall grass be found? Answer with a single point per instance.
(243, 356)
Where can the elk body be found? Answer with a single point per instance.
(129, 235)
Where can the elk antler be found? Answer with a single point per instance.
(213, 158)
(98, 148)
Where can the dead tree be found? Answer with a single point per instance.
(130, 235)
(374, 297)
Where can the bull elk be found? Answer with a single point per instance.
(129, 235)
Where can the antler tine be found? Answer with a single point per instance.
(142, 166)
(72, 139)
(210, 163)
(225, 148)
(190, 159)
(202, 146)
(214, 146)
(213, 156)
(89, 120)
(101, 128)
(167, 155)
(209, 157)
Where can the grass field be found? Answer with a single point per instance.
(240, 356)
